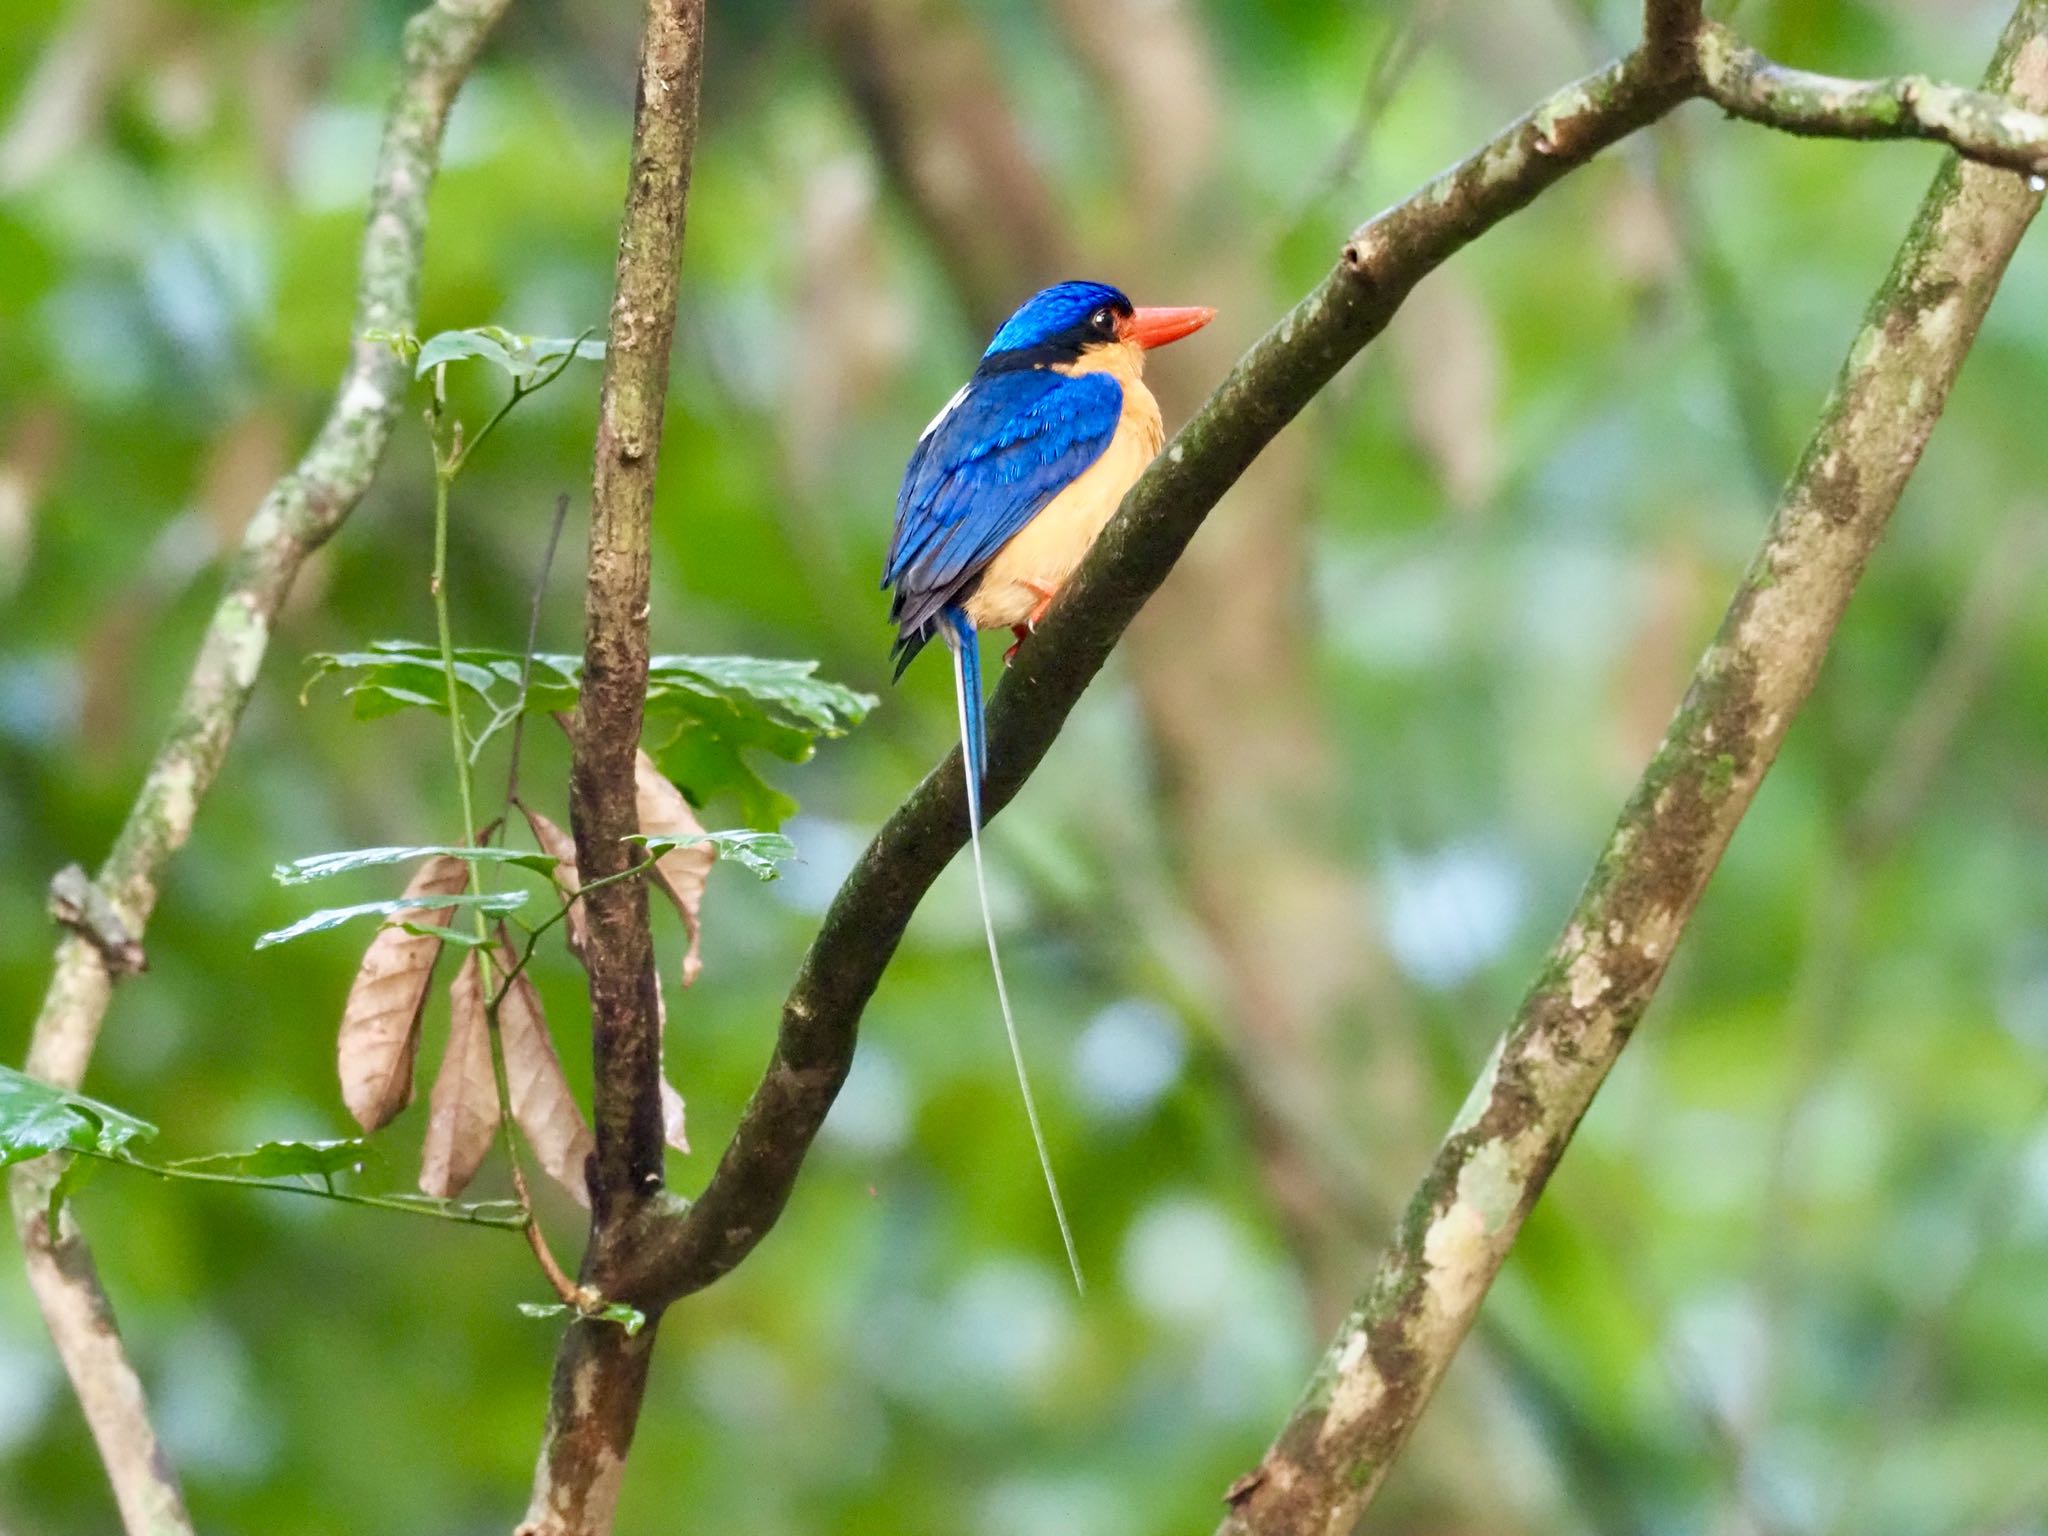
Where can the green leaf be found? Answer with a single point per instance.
(36, 1118)
(708, 717)
(454, 346)
(757, 851)
(447, 935)
(522, 358)
(334, 917)
(632, 1319)
(76, 1171)
(319, 866)
(403, 343)
(283, 1159)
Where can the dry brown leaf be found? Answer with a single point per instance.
(465, 1096)
(543, 1106)
(673, 1129)
(560, 847)
(380, 1024)
(681, 873)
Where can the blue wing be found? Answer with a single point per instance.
(1011, 442)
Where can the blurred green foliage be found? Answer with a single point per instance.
(1791, 1277)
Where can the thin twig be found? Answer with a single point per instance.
(540, 589)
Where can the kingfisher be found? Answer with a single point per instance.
(1007, 488)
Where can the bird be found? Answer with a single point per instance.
(1007, 489)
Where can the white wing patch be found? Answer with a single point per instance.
(944, 411)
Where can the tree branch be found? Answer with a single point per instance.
(1982, 125)
(600, 1370)
(618, 948)
(1377, 1377)
(1266, 389)
(301, 512)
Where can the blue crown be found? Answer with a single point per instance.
(1053, 312)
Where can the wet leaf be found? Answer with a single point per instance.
(560, 846)
(320, 866)
(283, 1159)
(680, 871)
(543, 1106)
(36, 1118)
(380, 1023)
(334, 917)
(464, 1102)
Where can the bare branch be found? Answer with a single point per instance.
(300, 513)
(1984, 125)
(618, 951)
(1378, 1375)
(1281, 373)
(1670, 29)
(600, 1371)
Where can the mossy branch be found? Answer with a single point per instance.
(1379, 1373)
(1987, 126)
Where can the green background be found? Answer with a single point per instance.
(1793, 1275)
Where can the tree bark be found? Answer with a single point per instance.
(601, 1371)
(1377, 1377)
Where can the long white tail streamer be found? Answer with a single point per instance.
(995, 960)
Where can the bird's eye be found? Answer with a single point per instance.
(1104, 320)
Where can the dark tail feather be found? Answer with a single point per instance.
(973, 727)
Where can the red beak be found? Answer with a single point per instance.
(1156, 327)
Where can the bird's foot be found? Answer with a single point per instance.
(1023, 633)
(1045, 597)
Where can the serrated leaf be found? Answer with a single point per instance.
(36, 1118)
(380, 1023)
(464, 1103)
(632, 1319)
(759, 852)
(706, 715)
(334, 917)
(546, 1111)
(321, 866)
(283, 1159)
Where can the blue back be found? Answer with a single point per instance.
(1013, 440)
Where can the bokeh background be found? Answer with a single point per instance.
(1267, 904)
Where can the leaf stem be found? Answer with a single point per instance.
(447, 465)
(474, 1216)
